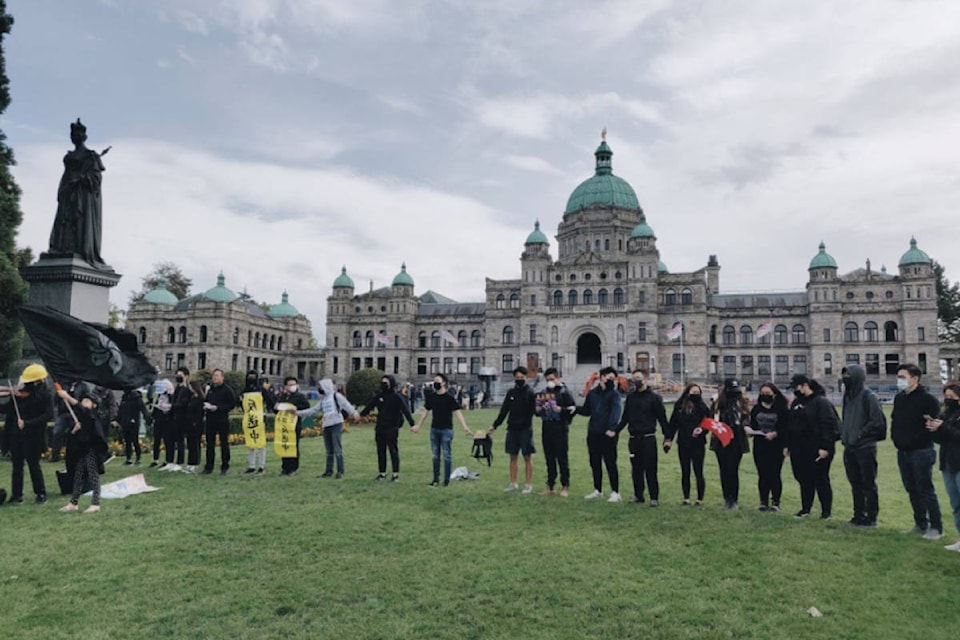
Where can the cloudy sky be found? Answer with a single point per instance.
(280, 139)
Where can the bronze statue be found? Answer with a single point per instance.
(78, 226)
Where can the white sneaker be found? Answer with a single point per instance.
(932, 534)
(953, 547)
(593, 495)
(510, 487)
(614, 497)
(527, 488)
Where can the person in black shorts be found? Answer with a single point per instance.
(444, 406)
(519, 403)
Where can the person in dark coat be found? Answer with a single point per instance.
(128, 415)
(218, 403)
(29, 410)
(90, 446)
(813, 429)
(517, 409)
(180, 420)
(691, 442)
(391, 412)
(602, 406)
(161, 415)
(861, 426)
(256, 458)
(291, 394)
(642, 410)
(945, 431)
(729, 410)
(768, 419)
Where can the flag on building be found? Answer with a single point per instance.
(76, 350)
(382, 337)
(675, 332)
(719, 429)
(765, 328)
(448, 337)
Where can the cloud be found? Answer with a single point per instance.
(532, 163)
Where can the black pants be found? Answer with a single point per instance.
(21, 452)
(643, 465)
(218, 428)
(813, 477)
(387, 441)
(131, 440)
(768, 456)
(289, 465)
(728, 459)
(159, 427)
(861, 466)
(556, 445)
(173, 441)
(602, 450)
(692, 456)
(193, 434)
(88, 468)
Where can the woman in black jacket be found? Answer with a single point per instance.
(90, 446)
(813, 429)
(729, 409)
(391, 412)
(768, 419)
(946, 432)
(684, 429)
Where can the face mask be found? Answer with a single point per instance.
(551, 384)
(638, 383)
(179, 379)
(292, 388)
(608, 384)
(951, 404)
(798, 393)
(694, 398)
(846, 383)
(520, 383)
(385, 386)
(766, 399)
(437, 385)
(902, 384)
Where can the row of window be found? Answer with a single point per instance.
(272, 342)
(272, 366)
(587, 276)
(871, 363)
(603, 297)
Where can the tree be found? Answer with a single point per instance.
(170, 275)
(948, 305)
(363, 385)
(13, 291)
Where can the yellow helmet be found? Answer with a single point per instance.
(33, 373)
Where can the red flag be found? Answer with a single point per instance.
(721, 430)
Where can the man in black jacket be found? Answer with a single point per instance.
(179, 425)
(812, 432)
(916, 455)
(519, 403)
(391, 412)
(555, 406)
(217, 404)
(128, 415)
(863, 424)
(642, 410)
(291, 394)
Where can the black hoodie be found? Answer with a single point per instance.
(908, 427)
(391, 408)
(642, 410)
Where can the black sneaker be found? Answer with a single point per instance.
(380, 477)
(763, 507)
(434, 484)
(855, 521)
(638, 500)
(128, 462)
(250, 470)
(154, 463)
(775, 507)
(867, 524)
(206, 471)
(395, 477)
(17, 500)
(802, 514)
(223, 472)
(338, 476)
(826, 516)
(41, 499)
(327, 474)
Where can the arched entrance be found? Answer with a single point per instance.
(588, 349)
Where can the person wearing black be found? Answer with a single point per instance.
(217, 404)
(161, 415)
(945, 430)
(444, 408)
(555, 406)
(916, 455)
(257, 458)
(642, 410)
(684, 429)
(63, 423)
(89, 445)
(29, 410)
(813, 429)
(194, 427)
(179, 423)
(728, 409)
(128, 415)
(291, 394)
(391, 412)
(519, 404)
(861, 426)
(602, 406)
(768, 419)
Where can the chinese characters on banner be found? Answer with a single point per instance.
(285, 434)
(254, 429)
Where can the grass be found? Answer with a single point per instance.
(269, 557)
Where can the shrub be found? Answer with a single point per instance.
(363, 385)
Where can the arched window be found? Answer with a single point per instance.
(588, 296)
(619, 334)
(554, 335)
(367, 339)
(203, 333)
(606, 244)
(729, 335)
(256, 340)
(514, 301)
(557, 298)
(618, 296)
(500, 301)
(713, 334)
(780, 334)
(183, 335)
(686, 296)
(280, 343)
(670, 298)
(746, 334)
(273, 340)
(475, 338)
(799, 334)
(572, 297)
(236, 335)
(890, 332)
(871, 332)
(462, 338)
(422, 339)
(851, 333)
(602, 297)
(142, 335)
(249, 339)
(508, 335)
(435, 339)
(357, 339)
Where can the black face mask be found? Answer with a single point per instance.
(694, 398)
(437, 385)
(385, 386)
(846, 383)
(179, 379)
(798, 393)
(951, 404)
(520, 383)
(766, 399)
(608, 384)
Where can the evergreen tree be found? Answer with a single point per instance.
(948, 305)
(172, 277)
(13, 291)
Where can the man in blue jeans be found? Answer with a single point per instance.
(444, 407)
(912, 407)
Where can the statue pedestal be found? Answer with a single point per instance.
(71, 285)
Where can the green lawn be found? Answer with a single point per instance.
(270, 557)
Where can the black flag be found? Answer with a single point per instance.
(76, 350)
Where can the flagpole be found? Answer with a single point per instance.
(773, 369)
(682, 361)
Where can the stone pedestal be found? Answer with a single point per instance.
(71, 285)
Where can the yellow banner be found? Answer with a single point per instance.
(285, 434)
(254, 429)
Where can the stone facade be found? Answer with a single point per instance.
(607, 299)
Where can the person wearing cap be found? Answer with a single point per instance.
(813, 429)
(727, 408)
(29, 410)
(391, 411)
(861, 426)
(90, 445)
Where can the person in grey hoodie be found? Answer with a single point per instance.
(331, 404)
(863, 424)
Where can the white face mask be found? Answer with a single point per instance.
(292, 388)
(551, 384)
(902, 384)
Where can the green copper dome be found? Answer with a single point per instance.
(603, 187)
(823, 259)
(284, 309)
(914, 255)
(536, 236)
(343, 281)
(160, 295)
(642, 230)
(403, 277)
(220, 293)
(662, 268)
